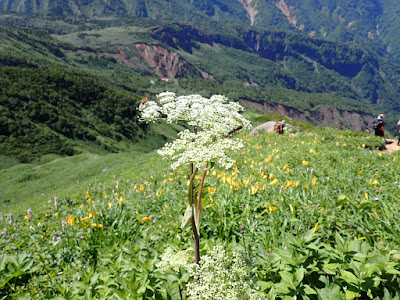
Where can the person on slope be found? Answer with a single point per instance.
(398, 143)
(280, 126)
(379, 127)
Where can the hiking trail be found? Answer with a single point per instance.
(391, 146)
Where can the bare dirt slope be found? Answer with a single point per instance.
(391, 146)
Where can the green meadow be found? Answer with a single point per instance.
(314, 214)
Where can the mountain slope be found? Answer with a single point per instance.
(372, 23)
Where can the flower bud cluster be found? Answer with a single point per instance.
(174, 261)
(219, 277)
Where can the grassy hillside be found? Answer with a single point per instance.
(36, 183)
(315, 214)
(67, 99)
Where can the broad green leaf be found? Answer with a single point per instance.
(350, 295)
(349, 277)
(287, 279)
(299, 275)
(309, 290)
(265, 285)
(330, 292)
(187, 216)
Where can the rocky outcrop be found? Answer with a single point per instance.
(320, 116)
(267, 127)
(250, 7)
(168, 64)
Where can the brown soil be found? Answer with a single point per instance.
(390, 148)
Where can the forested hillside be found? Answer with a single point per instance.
(372, 23)
(72, 82)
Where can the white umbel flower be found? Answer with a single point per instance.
(220, 278)
(214, 119)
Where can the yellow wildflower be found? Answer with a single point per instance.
(146, 219)
(275, 181)
(70, 220)
(120, 200)
(211, 190)
(100, 225)
(90, 213)
(109, 205)
(255, 188)
(288, 171)
(375, 182)
(305, 163)
(27, 217)
(272, 208)
(159, 193)
(245, 183)
(56, 213)
(314, 181)
(315, 227)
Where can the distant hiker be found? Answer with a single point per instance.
(398, 143)
(379, 126)
(280, 126)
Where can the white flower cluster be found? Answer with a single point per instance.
(174, 261)
(214, 119)
(220, 278)
(199, 149)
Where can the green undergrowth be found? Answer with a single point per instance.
(32, 185)
(315, 214)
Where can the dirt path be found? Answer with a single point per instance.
(392, 146)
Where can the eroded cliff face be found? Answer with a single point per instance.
(151, 58)
(168, 64)
(321, 116)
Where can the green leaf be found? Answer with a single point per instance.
(349, 277)
(350, 295)
(197, 219)
(287, 279)
(265, 285)
(330, 292)
(187, 216)
(299, 275)
(309, 290)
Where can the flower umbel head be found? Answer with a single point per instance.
(214, 119)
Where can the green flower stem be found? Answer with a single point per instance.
(190, 188)
(196, 237)
(201, 192)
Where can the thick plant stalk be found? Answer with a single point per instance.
(196, 236)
